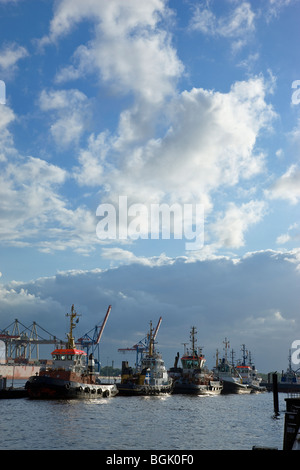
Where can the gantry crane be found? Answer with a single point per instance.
(22, 342)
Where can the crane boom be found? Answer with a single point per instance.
(103, 324)
(157, 328)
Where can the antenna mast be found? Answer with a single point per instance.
(72, 315)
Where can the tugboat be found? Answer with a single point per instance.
(193, 378)
(248, 372)
(151, 376)
(289, 380)
(228, 374)
(70, 375)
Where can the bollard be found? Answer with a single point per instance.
(275, 394)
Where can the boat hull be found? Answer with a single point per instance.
(9, 393)
(50, 388)
(214, 388)
(257, 388)
(132, 389)
(235, 387)
(283, 387)
(18, 371)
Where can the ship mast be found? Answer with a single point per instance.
(245, 354)
(217, 358)
(226, 347)
(72, 315)
(152, 336)
(193, 340)
(151, 340)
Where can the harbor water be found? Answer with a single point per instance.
(177, 422)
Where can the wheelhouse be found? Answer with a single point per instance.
(192, 362)
(68, 358)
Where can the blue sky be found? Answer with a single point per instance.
(180, 102)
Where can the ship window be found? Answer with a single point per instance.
(190, 364)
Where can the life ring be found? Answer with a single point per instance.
(67, 386)
(99, 391)
(87, 389)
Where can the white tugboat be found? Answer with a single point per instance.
(70, 376)
(193, 377)
(228, 374)
(248, 372)
(151, 376)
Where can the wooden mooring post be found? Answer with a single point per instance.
(275, 394)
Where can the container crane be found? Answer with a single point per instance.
(142, 346)
(22, 343)
(90, 341)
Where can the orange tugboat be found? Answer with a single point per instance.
(70, 376)
(193, 377)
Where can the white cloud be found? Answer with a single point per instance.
(115, 15)
(211, 136)
(275, 6)
(295, 133)
(282, 239)
(240, 21)
(287, 187)
(210, 144)
(7, 117)
(27, 196)
(34, 213)
(231, 228)
(293, 234)
(70, 110)
(129, 51)
(250, 61)
(127, 257)
(237, 24)
(209, 141)
(10, 54)
(92, 162)
(32, 210)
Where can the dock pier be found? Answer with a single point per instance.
(10, 392)
(291, 439)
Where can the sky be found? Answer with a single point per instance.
(112, 111)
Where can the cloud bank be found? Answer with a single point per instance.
(254, 301)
